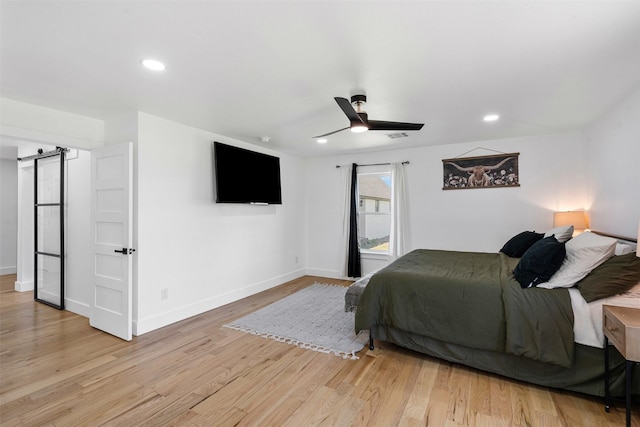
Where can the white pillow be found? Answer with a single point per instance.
(624, 248)
(562, 233)
(584, 253)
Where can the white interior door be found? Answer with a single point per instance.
(111, 217)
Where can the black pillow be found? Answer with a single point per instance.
(518, 244)
(540, 262)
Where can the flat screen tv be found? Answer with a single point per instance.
(245, 176)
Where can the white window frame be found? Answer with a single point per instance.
(379, 171)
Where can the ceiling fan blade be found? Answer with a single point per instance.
(330, 133)
(348, 109)
(382, 125)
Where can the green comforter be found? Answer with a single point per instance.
(470, 299)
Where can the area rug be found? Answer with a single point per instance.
(312, 318)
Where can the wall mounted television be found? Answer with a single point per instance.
(245, 176)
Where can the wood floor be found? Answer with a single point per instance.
(58, 371)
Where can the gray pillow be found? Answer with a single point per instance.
(562, 233)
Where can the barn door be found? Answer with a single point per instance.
(49, 227)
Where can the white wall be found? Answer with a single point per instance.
(33, 123)
(206, 254)
(551, 178)
(612, 159)
(78, 247)
(8, 216)
(24, 279)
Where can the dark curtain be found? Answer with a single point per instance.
(353, 262)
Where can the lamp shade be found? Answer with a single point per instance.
(575, 218)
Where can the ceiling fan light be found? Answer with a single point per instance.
(359, 128)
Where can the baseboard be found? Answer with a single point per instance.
(329, 274)
(23, 286)
(77, 307)
(151, 323)
(8, 270)
(73, 306)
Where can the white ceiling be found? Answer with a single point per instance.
(248, 69)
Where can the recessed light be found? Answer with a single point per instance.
(322, 141)
(153, 64)
(491, 117)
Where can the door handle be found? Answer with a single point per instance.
(125, 251)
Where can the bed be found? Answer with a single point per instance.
(487, 311)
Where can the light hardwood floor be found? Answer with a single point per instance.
(58, 371)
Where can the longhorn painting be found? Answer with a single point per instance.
(495, 171)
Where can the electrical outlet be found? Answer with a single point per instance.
(296, 259)
(164, 293)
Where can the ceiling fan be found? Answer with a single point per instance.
(360, 120)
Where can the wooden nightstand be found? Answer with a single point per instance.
(621, 326)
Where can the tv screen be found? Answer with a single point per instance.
(245, 176)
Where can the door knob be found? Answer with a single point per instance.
(125, 251)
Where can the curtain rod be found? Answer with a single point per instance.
(406, 162)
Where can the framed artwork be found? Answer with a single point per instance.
(494, 171)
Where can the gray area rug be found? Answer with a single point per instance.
(312, 318)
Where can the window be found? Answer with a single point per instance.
(374, 212)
